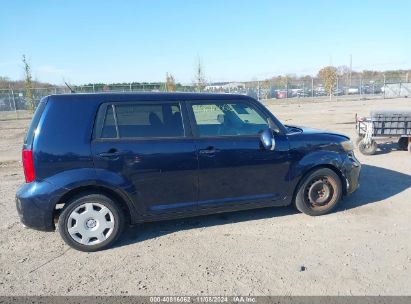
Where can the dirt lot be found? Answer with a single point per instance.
(363, 248)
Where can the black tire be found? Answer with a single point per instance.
(314, 182)
(72, 212)
(368, 149)
(403, 143)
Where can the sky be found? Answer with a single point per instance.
(123, 41)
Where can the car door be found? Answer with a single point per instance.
(144, 148)
(233, 167)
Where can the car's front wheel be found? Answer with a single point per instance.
(91, 222)
(319, 192)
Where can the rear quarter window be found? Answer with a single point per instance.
(28, 139)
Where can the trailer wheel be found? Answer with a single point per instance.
(367, 149)
(403, 143)
(358, 139)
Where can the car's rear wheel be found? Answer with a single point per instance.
(91, 222)
(319, 192)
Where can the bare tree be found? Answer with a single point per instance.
(265, 86)
(343, 70)
(329, 77)
(4, 82)
(200, 81)
(28, 83)
(170, 83)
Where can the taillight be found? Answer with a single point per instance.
(28, 166)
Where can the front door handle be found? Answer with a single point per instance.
(209, 151)
(112, 153)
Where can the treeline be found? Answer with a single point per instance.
(343, 73)
(128, 86)
(6, 83)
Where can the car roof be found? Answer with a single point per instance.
(148, 96)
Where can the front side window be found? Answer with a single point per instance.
(142, 120)
(227, 118)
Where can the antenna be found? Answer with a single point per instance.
(71, 90)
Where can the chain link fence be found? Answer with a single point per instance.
(14, 103)
(312, 87)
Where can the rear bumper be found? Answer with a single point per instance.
(351, 170)
(35, 205)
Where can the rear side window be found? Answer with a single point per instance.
(28, 140)
(109, 127)
(135, 120)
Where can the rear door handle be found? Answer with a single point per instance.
(107, 155)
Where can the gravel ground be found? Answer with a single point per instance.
(362, 248)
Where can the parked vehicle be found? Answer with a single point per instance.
(95, 163)
(3, 105)
(304, 93)
(382, 124)
(281, 94)
(320, 91)
(338, 92)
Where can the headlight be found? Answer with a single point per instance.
(347, 145)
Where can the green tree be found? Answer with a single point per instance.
(28, 83)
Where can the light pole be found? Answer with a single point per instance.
(336, 91)
(350, 69)
(312, 88)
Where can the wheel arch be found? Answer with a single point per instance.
(122, 201)
(315, 168)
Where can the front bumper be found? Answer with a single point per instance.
(351, 170)
(35, 205)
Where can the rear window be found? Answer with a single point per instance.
(28, 140)
(141, 120)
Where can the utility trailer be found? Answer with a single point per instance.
(383, 124)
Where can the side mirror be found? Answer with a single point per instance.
(267, 139)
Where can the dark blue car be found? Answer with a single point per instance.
(95, 163)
